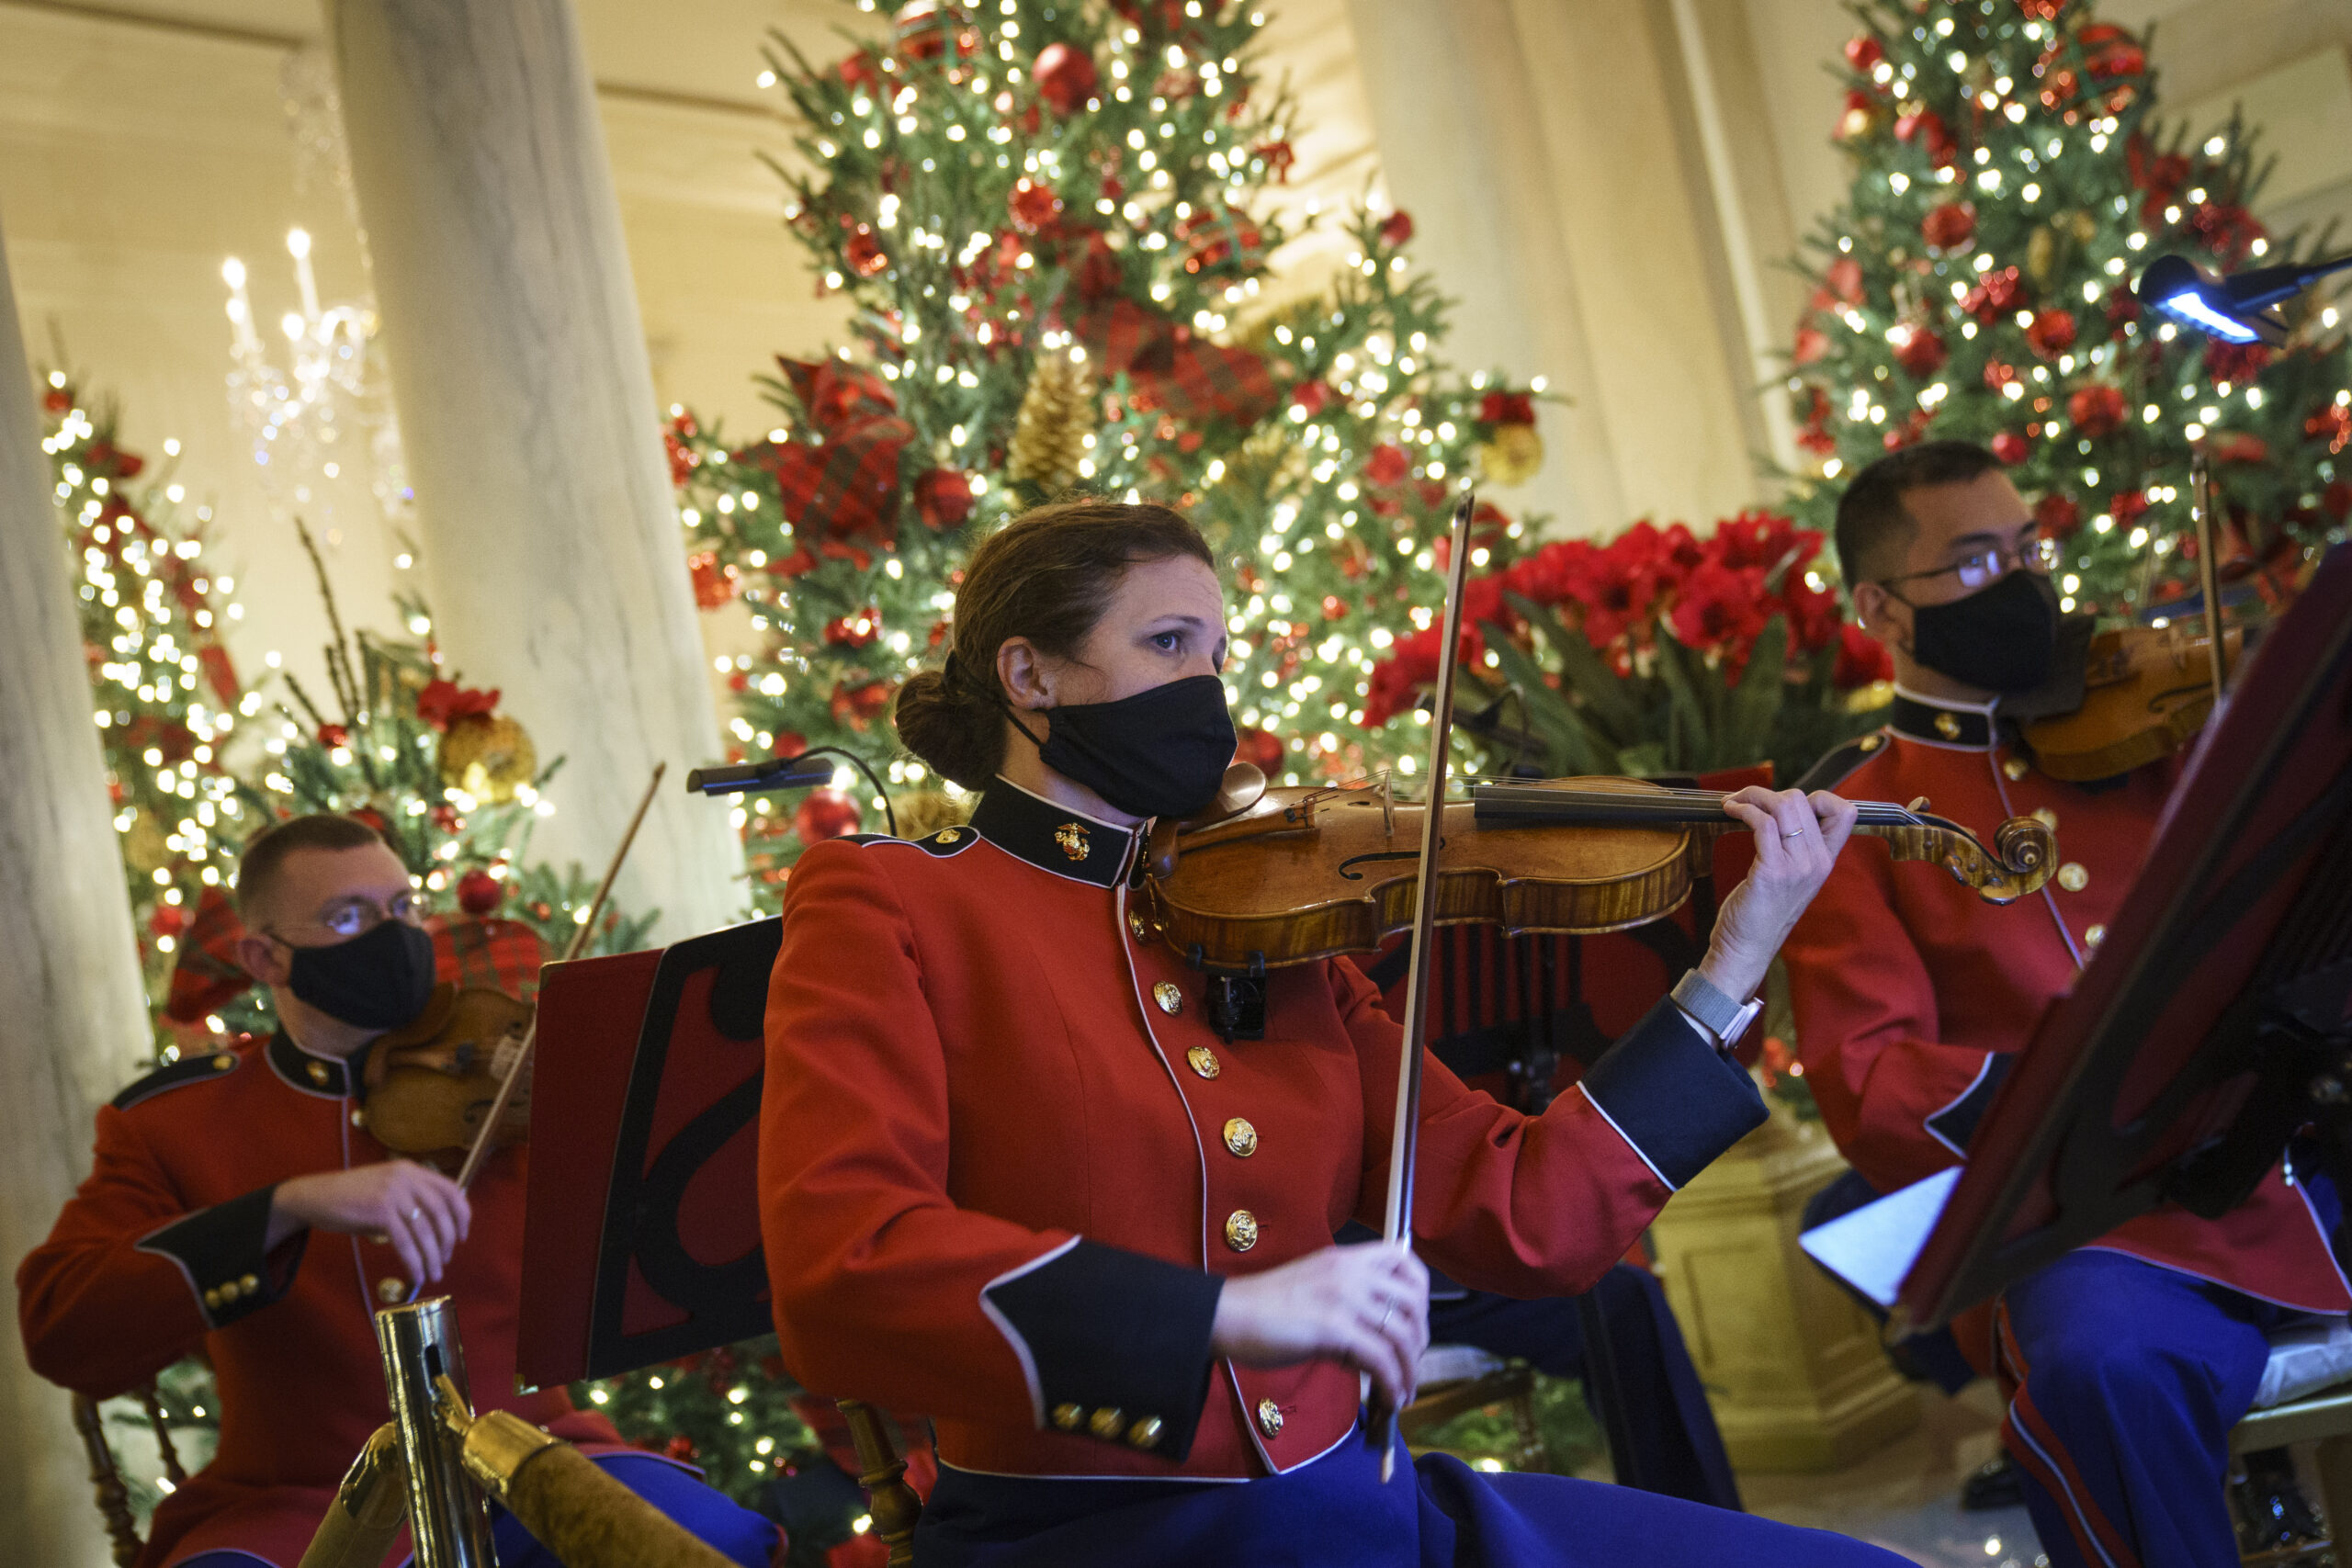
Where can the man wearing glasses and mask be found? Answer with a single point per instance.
(237, 1207)
(2126, 1363)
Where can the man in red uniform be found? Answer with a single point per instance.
(2128, 1361)
(237, 1207)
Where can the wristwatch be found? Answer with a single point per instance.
(1714, 1011)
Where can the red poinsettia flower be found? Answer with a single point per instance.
(443, 703)
(1861, 659)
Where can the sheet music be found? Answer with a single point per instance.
(1872, 1248)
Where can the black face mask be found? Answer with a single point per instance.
(1159, 753)
(2001, 638)
(379, 979)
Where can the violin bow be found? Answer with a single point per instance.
(1404, 1138)
(488, 1130)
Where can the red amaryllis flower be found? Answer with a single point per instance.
(1720, 606)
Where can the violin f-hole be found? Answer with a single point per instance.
(1347, 866)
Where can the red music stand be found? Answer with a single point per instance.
(642, 1225)
(2215, 1020)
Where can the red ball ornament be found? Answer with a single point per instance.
(857, 629)
(1812, 345)
(824, 813)
(1948, 226)
(479, 892)
(2041, 10)
(1388, 465)
(1065, 77)
(1844, 279)
(1863, 53)
(2096, 410)
(169, 919)
(1398, 229)
(944, 498)
(2011, 447)
(714, 580)
(1034, 206)
(1920, 352)
(2052, 334)
(1262, 749)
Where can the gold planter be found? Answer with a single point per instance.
(1791, 1365)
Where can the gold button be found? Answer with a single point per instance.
(1171, 999)
(1203, 1061)
(392, 1289)
(1872, 742)
(1135, 924)
(2016, 768)
(2046, 816)
(2073, 877)
(1270, 1419)
(1143, 1433)
(358, 1117)
(212, 1299)
(223, 1061)
(1069, 1417)
(2094, 936)
(1241, 1230)
(1106, 1422)
(318, 1071)
(1242, 1137)
(229, 1291)
(1948, 727)
(249, 1284)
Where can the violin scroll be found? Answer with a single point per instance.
(2022, 855)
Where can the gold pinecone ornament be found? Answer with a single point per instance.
(1056, 416)
(1512, 458)
(489, 756)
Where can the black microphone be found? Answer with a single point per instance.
(769, 772)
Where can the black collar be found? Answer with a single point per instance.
(1053, 838)
(310, 1073)
(1941, 723)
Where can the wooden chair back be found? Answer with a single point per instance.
(113, 1494)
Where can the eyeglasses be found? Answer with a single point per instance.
(1981, 569)
(358, 916)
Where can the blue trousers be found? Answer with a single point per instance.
(1676, 1448)
(2125, 1381)
(1436, 1514)
(735, 1532)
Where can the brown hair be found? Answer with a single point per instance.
(266, 852)
(1872, 522)
(1047, 575)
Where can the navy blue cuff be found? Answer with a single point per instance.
(1118, 1342)
(1677, 1099)
(1955, 1125)
(223, 1250)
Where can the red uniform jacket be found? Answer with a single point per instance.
(1912, 993)
(159, 1255)
(1006, 1164)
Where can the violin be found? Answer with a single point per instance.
(1292, 874)
(455, 1078)
(2146, 692)
(428, 1089)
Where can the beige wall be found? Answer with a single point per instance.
(1606, 187)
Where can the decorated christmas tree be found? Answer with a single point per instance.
(1052, 221)
(2010, 180)
(165, 696)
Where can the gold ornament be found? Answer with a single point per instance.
(2040, 252)
(926, 811)
(488, 756)
(2084, 226)
(1057, 415)
(1512, 458)
(142, 844)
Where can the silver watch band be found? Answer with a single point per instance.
(1714, 1011)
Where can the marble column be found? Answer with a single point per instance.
(551, 542)
(1559, 192)
(72, 1018)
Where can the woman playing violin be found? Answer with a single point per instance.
(1011, 1177)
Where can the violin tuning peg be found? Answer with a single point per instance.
(1917, 805)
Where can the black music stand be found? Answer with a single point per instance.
(2215, 1021)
